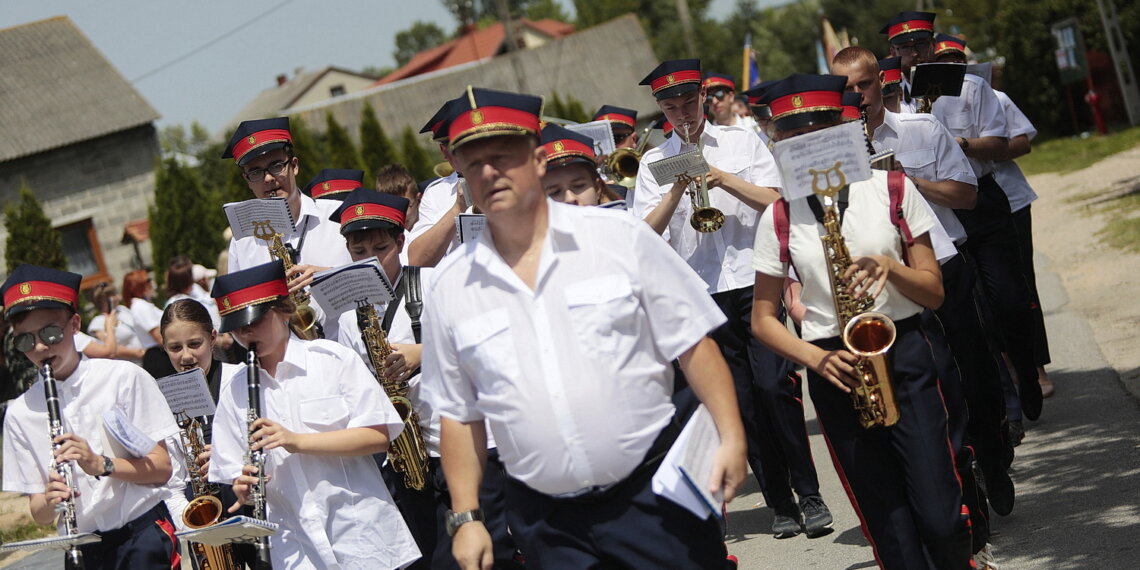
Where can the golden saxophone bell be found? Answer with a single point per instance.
(870, 336)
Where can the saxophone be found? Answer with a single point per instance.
(304, 319)
(205, 509)
(867, 334)
(66, 507)
(256, 457)
(407, 452)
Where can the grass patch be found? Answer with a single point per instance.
(1122, 229)
(1075, 153)
(26, 531)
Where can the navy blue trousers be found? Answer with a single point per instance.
(770, 404)
(902, 480)
(145, 543)
(1023, 222)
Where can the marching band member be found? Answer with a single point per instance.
(557, 327)
(334, 183)
(721, 102)
(891, 68)
(623, 122)
(572, 171)
(118, 498)
(434, 234)
(901, 479)
(742, 182)
(323, 416)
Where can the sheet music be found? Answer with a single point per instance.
(233, 529)
(828, 152)
(340, 288)
(666, 170)
(469, 226)
(601, 132)
(252, 217)
(52, 542)
(684, 474)
(187, 393)
(123, 438)
(946, 76)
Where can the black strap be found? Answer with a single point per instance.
(409, 286)
(841, 199)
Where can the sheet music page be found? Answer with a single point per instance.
(469, 226)
(666, 170)
(340, 288)
(123, 437)
(52, 542)
(684, 474)
(601, 132)
(233, 529)
(822, 159)
(256, 216)
(187, 393)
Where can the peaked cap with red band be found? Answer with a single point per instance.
(714, 80)
(245, 296)
(439, 122)
(909, 25)
(627, 117)
(851, 102)
(34, 287)
(483, 113)
(756, 98)
(892, 70)
(946, 43)
(365, 209)
(334, 183)
(674, 77)
(255, 138)
(564, 146)
(800, 100)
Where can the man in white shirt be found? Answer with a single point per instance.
(557, 327)
(434, 235)
(721, 102)
(117, 496)
(742, 182)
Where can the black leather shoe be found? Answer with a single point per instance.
(1029, 391)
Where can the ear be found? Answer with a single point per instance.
(400, 243)
(540, 158)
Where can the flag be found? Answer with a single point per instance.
(831, 44)
(750, 76)
(821, 59)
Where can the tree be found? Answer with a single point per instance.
(175, 140)
(185, 218)
(310, 149)
(569, 108)
(539, 9)
(31, 238)
(342, 151)
(376, 150)
(421, 36)
(416, 159)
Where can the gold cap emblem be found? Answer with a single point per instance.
(797, 101)
(25, 288)
(226, 302)
(477, 117)
(251, 139)
(670, 79)
(359, 210)
(558, 146)
(906, 27)
(325, 186)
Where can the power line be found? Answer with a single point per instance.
(195, 51)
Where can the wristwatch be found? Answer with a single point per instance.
(965, 144)
(456, 520)
(108, 466)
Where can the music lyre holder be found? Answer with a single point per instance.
(827, 189)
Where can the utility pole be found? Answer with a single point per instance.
(687, 27)
(512, 44)
(1124, 74)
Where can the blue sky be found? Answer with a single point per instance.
(144, 39)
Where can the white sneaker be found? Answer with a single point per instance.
(984, 559)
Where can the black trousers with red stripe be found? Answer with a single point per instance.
(146, 542)
(1023, 222)
(901, 480)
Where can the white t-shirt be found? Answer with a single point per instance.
(124, 331)
(867, 230)
(96, 386)
(147, 317)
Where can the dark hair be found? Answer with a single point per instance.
(134, 283)
(187, 310)
(180, 275)
(354, 237)
(100, 293)
(396, 180)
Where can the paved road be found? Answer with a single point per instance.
(1077, 476)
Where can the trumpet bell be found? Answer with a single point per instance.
(443, 169)
(707, 220)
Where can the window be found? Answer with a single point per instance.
(84, 256)
(337, 90)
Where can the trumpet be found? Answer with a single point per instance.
(705, 218)
(256, 457)
(66, 508)
(623, 163)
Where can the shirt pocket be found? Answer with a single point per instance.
(603, 312)
(327, 413)
(918, 162)
(959, 121)
(485, 346)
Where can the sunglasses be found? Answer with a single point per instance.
(51, 335)
(719, 95)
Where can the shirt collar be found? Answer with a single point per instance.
(890, 121)
(559, 237)
(295, 356)
(708, 136)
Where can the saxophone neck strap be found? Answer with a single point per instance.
(409, 291)
(841, 200)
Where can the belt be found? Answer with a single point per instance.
(653, 457)
(139, 524)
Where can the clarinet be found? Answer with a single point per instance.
(66, 507)
(256, 457)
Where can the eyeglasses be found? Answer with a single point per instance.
(923, 46)
(258, 174)
(51, 335)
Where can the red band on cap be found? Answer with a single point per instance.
(675, 78)
(948, 45)
(850, 112)
(563, 148)
(258, 139)
(623, 119)
(806, 102)
(719, 81)
(253, 295)
(492, 119)
(32, 291)
(892, 76)
(908, 27)
(371, 211)
(334, 186)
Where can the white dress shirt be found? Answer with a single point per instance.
(96, 386)
(975, 113)
(1008, 174)
(437, 199)
(867, 230)
(720, 258)
(925, 148)
(334, 512)
(574, 377)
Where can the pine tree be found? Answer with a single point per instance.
(342, 151)
(186, 218)
(376, 148)
(310, 149)
(416, 159)
(31, 239)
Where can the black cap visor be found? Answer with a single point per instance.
(244, 316)
(676, 90)
(18, 308)
(361, 225)
(808, 119)
(259, 151)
